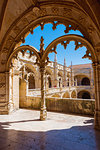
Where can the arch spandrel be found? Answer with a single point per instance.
(65, 13)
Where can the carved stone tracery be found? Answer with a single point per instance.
(65, 43)
(87, 55)
(64, 40)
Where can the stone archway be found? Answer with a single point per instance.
(46, 13)
(84, 95)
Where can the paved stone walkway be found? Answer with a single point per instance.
(23, 130)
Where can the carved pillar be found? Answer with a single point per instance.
(64, 74)
(43, 112)
(55, 72)
(96, 69)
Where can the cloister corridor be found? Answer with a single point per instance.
(22, 130)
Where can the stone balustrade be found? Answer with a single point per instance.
(37, 92)
(65, 105)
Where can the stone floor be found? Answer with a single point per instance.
(23, 130)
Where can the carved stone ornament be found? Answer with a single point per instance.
(77, 44)
(43, 11)
(67, 11)
(9, 41)
(87, 55)
(16, 29)
(54, 49)
(64, 43)
(55, 10)
(36, 11)
(82, 19)
(22, 39)
(25, 21)
(2, 85)
(91, 29)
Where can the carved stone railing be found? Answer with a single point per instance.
(37, 92)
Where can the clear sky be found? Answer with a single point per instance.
(49, 35)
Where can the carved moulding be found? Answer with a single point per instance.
(79, 42)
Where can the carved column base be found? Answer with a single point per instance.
(43, 114)
(97, 120)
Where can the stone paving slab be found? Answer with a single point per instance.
(22, 130)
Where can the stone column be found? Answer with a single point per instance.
(96, 69)
(55, 84)
(16, 89)
(43, 112)
(11, 104)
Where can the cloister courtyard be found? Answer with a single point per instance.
(23, 130)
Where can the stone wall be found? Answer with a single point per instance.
(76, 106)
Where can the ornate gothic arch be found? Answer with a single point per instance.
(33, 51)
(79, 42)
(62, 13)
(81, 92)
